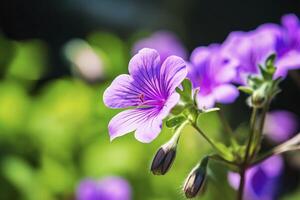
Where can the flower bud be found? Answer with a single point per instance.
(195, 181)
(164, 158)
(259, 96)
(258, 99)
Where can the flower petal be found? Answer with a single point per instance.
(289, 61)
(126, 122)
(121, 93)
(149, 129)
(205, 101)
(225, 93)
(144, 68)
(173, 71)
(273, 166)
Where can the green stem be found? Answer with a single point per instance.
(242, 185)
(210, 141)
(244, 165)
(218, 158)
(258, 135)
(252, 130)
(290, 145)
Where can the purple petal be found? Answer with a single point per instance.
(289, 61)
(165, 42)
(144, 68)
(225, 93)
(173, 71)
(234, 179)
(122, 93)
(228, 72)
(258, 182)
(149, 129)
(87, 190)
(261, 180)
(273, 166)
(291, 23)
(280, 125)
(127, 121)
(205, 101)
(200, 55)
(113, 188)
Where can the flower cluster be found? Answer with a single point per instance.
(252, 48)
(162, 86)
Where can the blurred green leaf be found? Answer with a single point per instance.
(175, 121)
(115, 50)
(29, 62)
(7, 51)
(14, 107)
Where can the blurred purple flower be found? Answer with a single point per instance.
(280, 125)
(110, 188)
(288, 45)
(212, 71)
(149, 91)
(252, 48)
(165, 42)
(262, 181)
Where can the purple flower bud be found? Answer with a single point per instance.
(163, 159)
(195, 181)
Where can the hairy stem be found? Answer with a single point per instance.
(252, 132)
(292, 144)
(244, 165)
(258, 135)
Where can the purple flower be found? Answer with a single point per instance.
(288, 45)
(261, 180)
(253, 47)
(280, 125)
(149, 92)
(165, 42)
(250, 49)
(212, 71)
(110, 188)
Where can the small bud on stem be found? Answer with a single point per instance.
(166, 154)
(195, 181)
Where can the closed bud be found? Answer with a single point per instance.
(164, 158)
(195, 181)
(258, 100)
(259, 96)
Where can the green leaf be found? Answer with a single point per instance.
(177, 109)
(270, 61)
(186, 91)
(246, 89)
(175, 121)
(266, 74)
(254, 82)
(224, 151)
